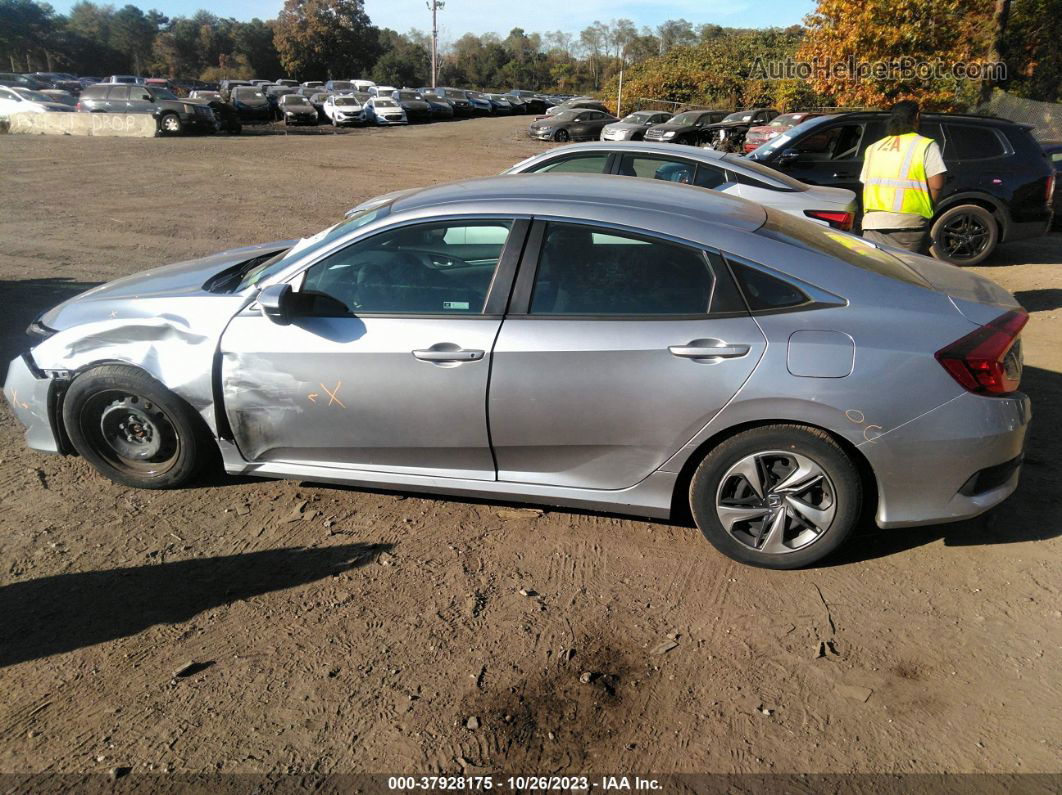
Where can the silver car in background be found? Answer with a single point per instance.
(552, 339)
(705, 168)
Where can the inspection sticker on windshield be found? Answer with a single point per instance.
(455, 304)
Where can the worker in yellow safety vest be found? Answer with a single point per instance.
(902, 177)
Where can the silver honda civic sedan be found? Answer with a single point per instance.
(705, 168)
(553, 340)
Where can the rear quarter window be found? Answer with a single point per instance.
(968, 142)
(838, 245)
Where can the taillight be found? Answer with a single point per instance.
(988, 360)
(1050, 188)
(78, 106)
(835, 218)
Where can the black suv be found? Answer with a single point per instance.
(685, 127)
(173, 115)
(996, 189)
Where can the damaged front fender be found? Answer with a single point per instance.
(176, 346)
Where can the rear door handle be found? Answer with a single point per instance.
(708, 351)
(459, 355)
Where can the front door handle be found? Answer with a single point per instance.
(723, 351)
(448, 355)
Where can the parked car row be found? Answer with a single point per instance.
(234, 103)
(999, 186)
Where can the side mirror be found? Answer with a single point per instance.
(788, 156)
(274, 302)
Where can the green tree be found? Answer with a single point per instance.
(1030, 49)
(326, 38)
(404, 63)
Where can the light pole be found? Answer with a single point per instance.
(434, 6)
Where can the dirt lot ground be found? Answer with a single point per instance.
(336, 630)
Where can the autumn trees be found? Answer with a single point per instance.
(326, 38)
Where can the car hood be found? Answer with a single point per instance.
(627, 125)
(414, 104)
(179, 280)
(666, 126)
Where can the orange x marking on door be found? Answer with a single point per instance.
(333, 394)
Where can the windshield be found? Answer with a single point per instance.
(35, 96)
(354, 220)
(408, 95)
(739, 116)
(293, 99)
(637, 118)
(686, 118)
(339, 85)
(566, 115)
(787, 119)
(384, 103)
(347, 102)
(164, 93)
(780, 142)
(247, 93)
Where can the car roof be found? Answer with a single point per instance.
(653, 202)
(880, 115)
(724, 159)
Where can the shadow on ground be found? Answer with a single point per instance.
(57, 614)
(1043, 250)
(1040, 300)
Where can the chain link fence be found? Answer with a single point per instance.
(1045, 117)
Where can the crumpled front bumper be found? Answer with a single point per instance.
(31, 395)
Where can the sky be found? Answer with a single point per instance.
(501, 16)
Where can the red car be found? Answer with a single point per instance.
(779, 124)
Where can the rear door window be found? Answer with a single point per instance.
(968, 142)
(118, 93)
(584, 270)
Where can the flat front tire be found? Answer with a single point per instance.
(777, 496)
(132, 429)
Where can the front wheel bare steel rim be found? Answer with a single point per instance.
(776, 501)
(133, 434)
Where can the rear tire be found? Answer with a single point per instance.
(964, 235)
(132, 429)
(805, 502)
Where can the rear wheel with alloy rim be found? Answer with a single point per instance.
(132, 429)
(779, 496)
(964, 235)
